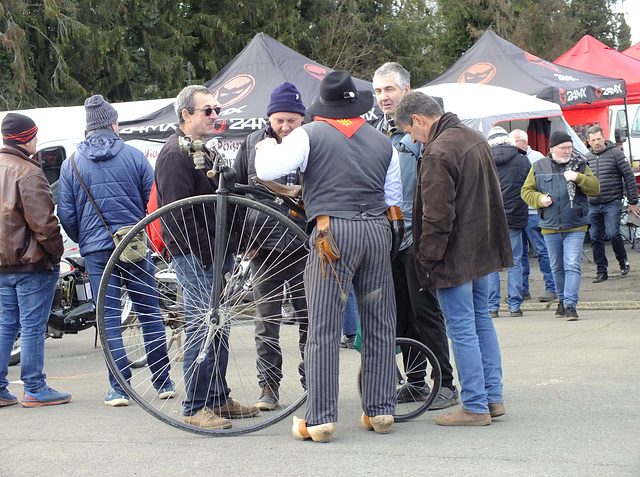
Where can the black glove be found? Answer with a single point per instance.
(394, 214)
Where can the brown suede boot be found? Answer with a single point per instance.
(463, 418)
(496, 409)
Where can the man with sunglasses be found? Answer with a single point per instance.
(177, 178)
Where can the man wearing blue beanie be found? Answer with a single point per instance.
(286, 113)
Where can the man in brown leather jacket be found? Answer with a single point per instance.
(460, 236)
(30, 251)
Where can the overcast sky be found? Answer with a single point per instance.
(631, 8)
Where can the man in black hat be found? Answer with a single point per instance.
(558, 186)
(30, 251)
(351, 177)
(286, 112)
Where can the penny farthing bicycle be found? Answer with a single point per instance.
(224, 318)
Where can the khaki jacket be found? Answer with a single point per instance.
(30, 238)
(460, 227)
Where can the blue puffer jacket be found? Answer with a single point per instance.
(119, 178)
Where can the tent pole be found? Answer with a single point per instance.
(630, 158)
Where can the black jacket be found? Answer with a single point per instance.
(177, 178)
(612, 169)
(513, 168)
(266, 234)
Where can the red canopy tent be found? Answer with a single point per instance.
(633, 51)
(593, 56)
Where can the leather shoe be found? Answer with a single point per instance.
(625, 267)
(462, 417)
(600, 277)
(547, 296)
(496, 409)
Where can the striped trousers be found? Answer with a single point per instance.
(364, 246)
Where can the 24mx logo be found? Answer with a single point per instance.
(572, 95)
(611, 90)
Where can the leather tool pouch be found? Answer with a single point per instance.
(325, 243)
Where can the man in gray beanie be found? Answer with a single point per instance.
(119, 178)
(286, 113)
(100, 114)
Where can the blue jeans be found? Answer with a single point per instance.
(532, 234)
(474, 343)
(205, 382)
(605, 222)
(565, 253)
(351, 317)
(25, 301)
(139, 281)
(514, 277)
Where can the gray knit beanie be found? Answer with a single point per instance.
(100, 114)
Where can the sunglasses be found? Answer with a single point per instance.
(208, 111)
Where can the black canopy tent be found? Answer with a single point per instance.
(493, 60)
(243, 88)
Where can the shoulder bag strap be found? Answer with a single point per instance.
(95, 206)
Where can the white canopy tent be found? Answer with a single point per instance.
(482, 106)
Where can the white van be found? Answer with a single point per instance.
(626, 134)
(60, 129)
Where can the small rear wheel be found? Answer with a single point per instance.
(418, 379)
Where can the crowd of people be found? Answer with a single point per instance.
(430, 212)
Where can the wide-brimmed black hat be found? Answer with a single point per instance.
(339, 98)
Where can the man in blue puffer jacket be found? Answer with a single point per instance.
(119, 179)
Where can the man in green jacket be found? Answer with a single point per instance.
(558, 186)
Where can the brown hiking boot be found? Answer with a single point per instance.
(462, 417)
(205, 418)
(268, 399)
(496, 409)
(232, 409)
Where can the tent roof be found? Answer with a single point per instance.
(243, 88)
(592, 55)
(481, 106)
(633, 51)
(493, 60)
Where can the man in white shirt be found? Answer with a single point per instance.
(351, 177)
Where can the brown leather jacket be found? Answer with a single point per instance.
(30, 238)
(460, 230)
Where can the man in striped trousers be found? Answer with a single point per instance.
(351, 177)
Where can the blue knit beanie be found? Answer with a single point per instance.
(286, 98)
(100, 114)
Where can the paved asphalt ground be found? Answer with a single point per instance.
(571, 394)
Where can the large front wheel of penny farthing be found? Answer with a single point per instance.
(231, 332)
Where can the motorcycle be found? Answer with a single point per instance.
(73, 308)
